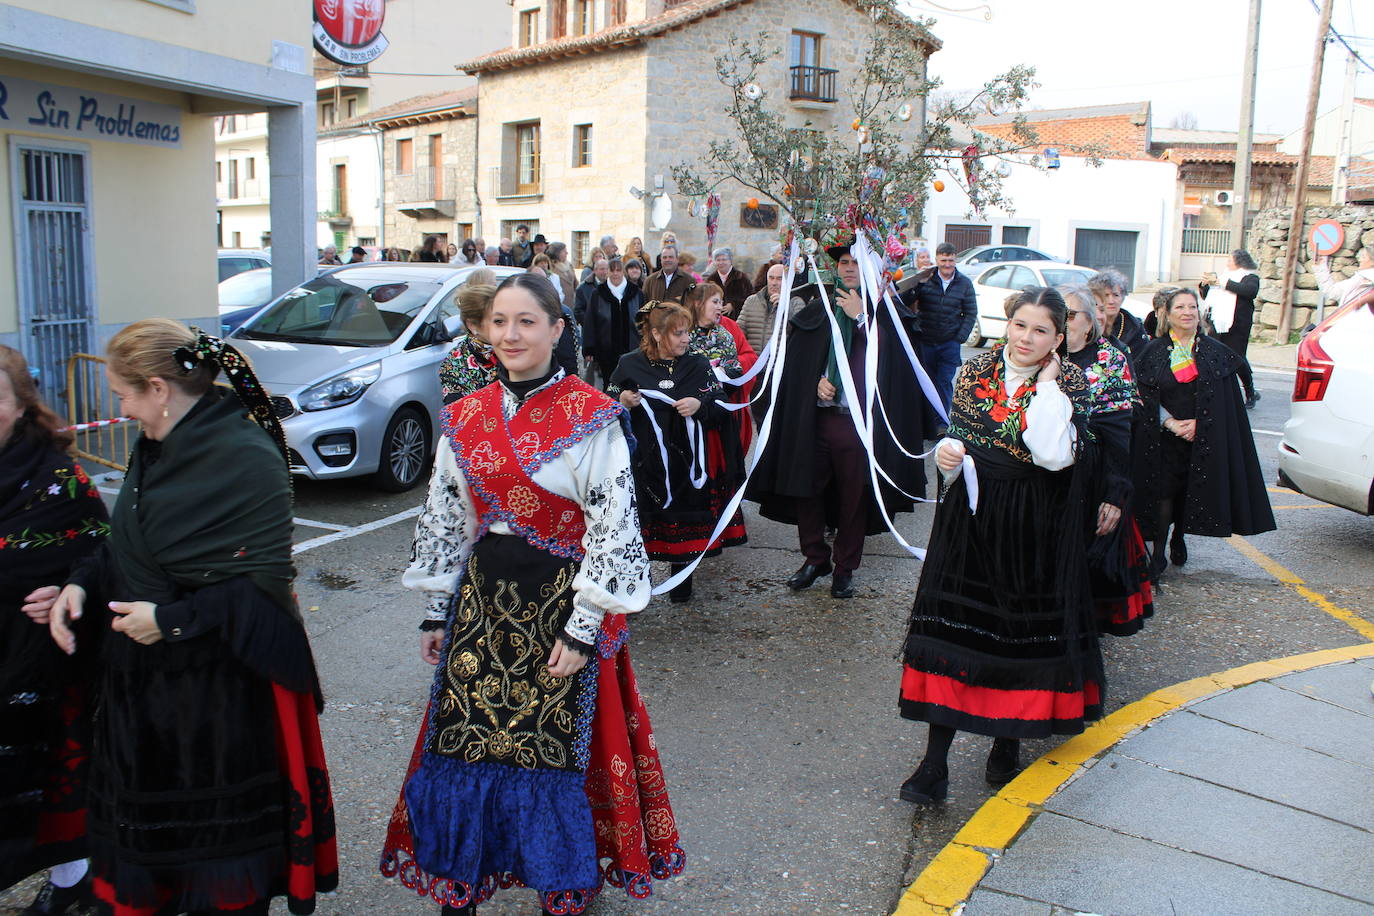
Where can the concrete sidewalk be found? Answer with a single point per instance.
(1255, 800)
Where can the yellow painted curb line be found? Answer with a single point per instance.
(949, 880)
(1294, 581)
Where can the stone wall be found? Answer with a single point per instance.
(687, 101)
(459, 177)
(1268, 242)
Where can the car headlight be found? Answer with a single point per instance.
(341, 389)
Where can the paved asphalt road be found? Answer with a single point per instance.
(775, 712)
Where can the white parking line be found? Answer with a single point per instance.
(327, 526)
(322, 540)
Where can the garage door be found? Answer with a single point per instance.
(965, 236)
(1103, 248)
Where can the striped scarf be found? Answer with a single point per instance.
(1181, 358)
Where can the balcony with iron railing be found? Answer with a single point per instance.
(1206, 241)
(504, 184)
(243, 192)
(427, 191)
(336, 206)
(813, 84)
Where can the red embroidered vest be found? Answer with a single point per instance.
(499, 458)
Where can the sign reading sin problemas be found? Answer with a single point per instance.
(349, 32)
(47, 108)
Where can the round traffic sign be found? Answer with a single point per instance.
(1327, 236)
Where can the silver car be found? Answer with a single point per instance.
(351, 360)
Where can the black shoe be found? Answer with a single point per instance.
(927, 785)
(1004, 761)
(681, 593)
(1178, 549)
(1251, 400)
(842, 586)
(469, 910)
(1157, 566)
(52, 900)
(808, 574)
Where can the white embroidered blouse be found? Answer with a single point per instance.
(595, 473)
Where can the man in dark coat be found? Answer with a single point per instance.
(947, 307)
(586, 290)
(522, 252)
(668, 283)
(732, 281)
(814, 471)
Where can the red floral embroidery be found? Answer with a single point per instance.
(71, 534)
(3, 542)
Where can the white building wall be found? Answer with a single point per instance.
(1326, 134)
(1120, 194)
(361, 154)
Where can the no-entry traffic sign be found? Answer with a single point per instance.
(1327, 236)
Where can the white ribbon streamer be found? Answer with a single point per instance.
(696, 470)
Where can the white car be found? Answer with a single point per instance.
(995, 284)
(1327, 450)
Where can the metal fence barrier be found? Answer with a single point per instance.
(89, 401)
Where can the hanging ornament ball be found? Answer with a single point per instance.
(787, 189)
(904, 113)
(752, 203)
(753, 92)
(896, 275)
(864, 135)
(857, 124)
(1004, 169)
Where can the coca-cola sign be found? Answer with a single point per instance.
(349, 32)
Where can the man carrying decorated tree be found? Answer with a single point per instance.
(815, 471)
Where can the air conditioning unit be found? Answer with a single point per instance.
(1224, 198)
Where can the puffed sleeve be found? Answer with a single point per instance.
(1050, 433)
(444, 536)
(614, 576)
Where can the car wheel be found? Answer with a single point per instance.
(405, 451)
(975, 336)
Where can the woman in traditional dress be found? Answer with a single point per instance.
(1196, 470)
(208, 785)
(51, 517)
(1001, 640)
(720, 339)
(471, 364)
(1109, 287)
(1117, 559)
(671, 395)
(536, 764)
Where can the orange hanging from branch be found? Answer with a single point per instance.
(752, 203)
(896, 275)
(939, 186)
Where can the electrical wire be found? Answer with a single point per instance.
(1341, 38)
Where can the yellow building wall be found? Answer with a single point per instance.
(152, 215)
(242, 30)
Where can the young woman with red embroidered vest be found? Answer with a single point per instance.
(535, 765)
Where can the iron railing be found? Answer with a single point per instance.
(813, 84)
(1206, 241)
(90, 401)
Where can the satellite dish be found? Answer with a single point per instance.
(660, 212)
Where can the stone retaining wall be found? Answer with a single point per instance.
(1268, 243)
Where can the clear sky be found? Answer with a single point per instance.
(1182, 55)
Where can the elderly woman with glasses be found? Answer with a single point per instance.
(1118, 564)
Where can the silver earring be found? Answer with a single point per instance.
(165, 415)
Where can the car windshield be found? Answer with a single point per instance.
(330, 310)
(1063, 276)
(242, 290)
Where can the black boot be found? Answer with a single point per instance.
(1251, 400)
(681, 594)
(808, 574)
(1178, 548)
(1004, 761)
(52, 900)
(469, 910)
(842, 586)
(929, 784)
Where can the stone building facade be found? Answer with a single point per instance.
(1268, 242)
(429, 160)
(617, 106)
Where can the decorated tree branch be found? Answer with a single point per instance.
(875, 174)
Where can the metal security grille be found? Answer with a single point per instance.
(54, 264)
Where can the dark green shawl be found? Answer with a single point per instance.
(209, 502)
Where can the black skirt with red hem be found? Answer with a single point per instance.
(1002, 639)
(1123, 598)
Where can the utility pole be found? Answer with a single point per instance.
(1240, 192)
(1295, 240)
(1340, 175)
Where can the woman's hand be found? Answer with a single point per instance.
(565, 662)
(431, 641)
(950, 455)
(825, 389)
(1108, 516)
(630, 399)
(686, 407)
(38, 603)
(68, 607)
(136, 620)
(1184, 429)
(1050, 368)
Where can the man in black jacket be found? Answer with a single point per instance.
(946, 308)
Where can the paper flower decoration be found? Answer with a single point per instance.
(753, 92)
(904, 113)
